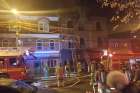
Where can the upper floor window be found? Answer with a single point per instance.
(41, 27)
(98, 26)
(81, 27)
(0, 43)
(116, 45)
(82, 42)
(5, 43)
(52, 63)
(70, 24)
(100, 42)
(52, 45)
(13, 62)
(39, 44)
(70, 44)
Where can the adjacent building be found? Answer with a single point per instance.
(124, 45)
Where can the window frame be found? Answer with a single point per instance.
(98, 26)
(41, 25)
(41, 43)
(3, 43)
(52, 42)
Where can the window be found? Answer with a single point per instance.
(5, 43)
(82, 42)
(39, 44)
(41, 27)
(81, 27)
(52, 45)
(1, 62)
(12, 43)
(52, 63)
(98, 26)
(37, 65)
(70, 44)
(100, 42)
(49, 63)
(116, 45)
(0, 43)
(13, 62)
(70, 24)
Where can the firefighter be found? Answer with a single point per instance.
(59, 75)
(100, 78)
(67, 70)
(92, 70)
(46, 71)
(79, 69)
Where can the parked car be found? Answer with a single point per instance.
(40, 84)
(18, 84)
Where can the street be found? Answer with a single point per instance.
(80, 87)
(46, 91)
(75, 89)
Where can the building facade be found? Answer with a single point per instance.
(124, 46)
(93, 32)
(40, 40)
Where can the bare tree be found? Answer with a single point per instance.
(125, 10)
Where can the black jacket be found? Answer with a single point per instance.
(131, 88)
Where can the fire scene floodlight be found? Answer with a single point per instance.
(14, 11)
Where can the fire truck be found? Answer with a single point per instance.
(12, 63)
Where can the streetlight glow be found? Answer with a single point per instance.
(14, 11)
(110, 55)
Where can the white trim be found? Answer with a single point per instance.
(41, 35)
(49, 36)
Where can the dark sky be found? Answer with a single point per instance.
(91, 5)
(37, 4)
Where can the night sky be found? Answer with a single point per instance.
(92, 7)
